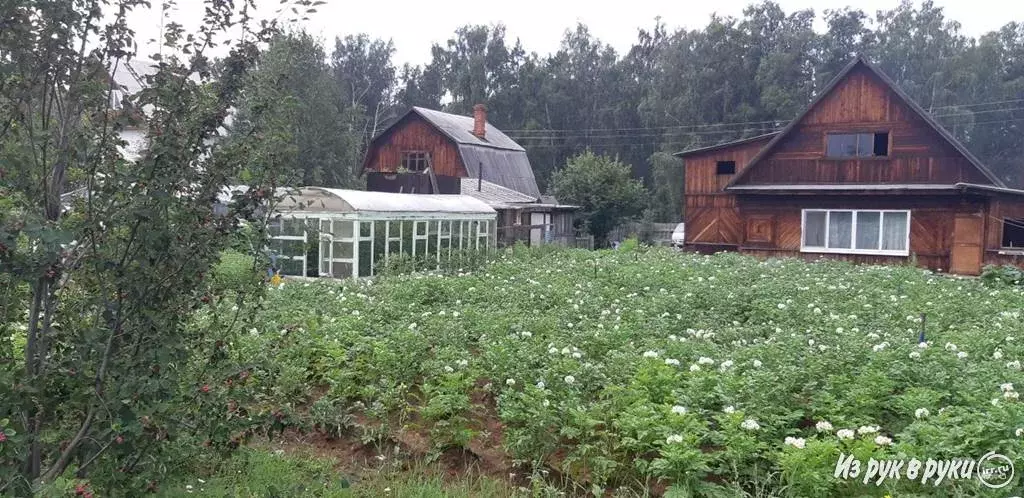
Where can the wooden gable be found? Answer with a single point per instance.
(863, 100)
(413, 133)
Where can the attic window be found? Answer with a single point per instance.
(415, 160)
(725, 168)
(857, 144)
(1013, 232)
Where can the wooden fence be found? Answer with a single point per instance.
(543, 234)
(659, 234)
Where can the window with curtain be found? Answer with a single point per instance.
(856, 231)
(844, 145)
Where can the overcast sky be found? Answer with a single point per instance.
(416, 24)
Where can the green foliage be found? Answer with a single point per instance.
(649, 368)
(604, 190)
(291, 105)
(107, 258)
(235, 270)
(1002, 275)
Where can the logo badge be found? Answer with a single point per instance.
(994, 470)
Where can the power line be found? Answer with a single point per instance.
(950, 118)
(653, 140)
(741, 123)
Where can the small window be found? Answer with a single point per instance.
(857, 144)
(415, 161)
(882, 144)
(1013, 232)
(725, 168)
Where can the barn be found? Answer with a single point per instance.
(433, 152)
(863, 174)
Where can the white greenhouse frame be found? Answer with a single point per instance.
(348, 221)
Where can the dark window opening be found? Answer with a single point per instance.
(882, 144)
(725, 168)
(857, 144)
(415, 161)
(1013, 232)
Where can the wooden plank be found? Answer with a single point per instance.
(967, 254)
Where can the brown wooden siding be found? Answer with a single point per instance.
(863, 103)
(931, 224)
(1000, 208)
(415, 134)
(709, 213)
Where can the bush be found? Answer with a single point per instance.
(234, 270)
(1002, 275)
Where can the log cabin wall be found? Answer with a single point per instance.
(1000, 209)
(410, 135)
(863, 103)
(773, 224)
(709, 212)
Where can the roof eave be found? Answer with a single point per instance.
(723, 145)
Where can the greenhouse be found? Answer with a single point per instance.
(337, 233)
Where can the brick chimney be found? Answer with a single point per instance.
(479, 121)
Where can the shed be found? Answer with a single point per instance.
(352, 232)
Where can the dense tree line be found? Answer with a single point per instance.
(672, 90)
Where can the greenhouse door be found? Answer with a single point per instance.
(337, 248)
(325, 248)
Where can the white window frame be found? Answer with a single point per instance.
(853, 234)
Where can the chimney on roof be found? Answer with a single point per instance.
(479, 121)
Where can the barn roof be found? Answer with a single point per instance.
(334, 200)
(495, 158)
(923, 114)
(460, 130)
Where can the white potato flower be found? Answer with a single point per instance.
(845, 434)
(750, 425)
(921, 413)
(679, 410)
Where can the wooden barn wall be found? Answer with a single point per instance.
(863, 103)
(710, 213)
(415, 134)
(1002, 207)
(773, 225)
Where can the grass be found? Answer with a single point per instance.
(259, 472)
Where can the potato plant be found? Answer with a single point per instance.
(652, 369)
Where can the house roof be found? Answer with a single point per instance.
(974, 187)
(923, 114)
(460, 130)
(495, 158)
(508, 168)
(492, 193)
(710, 148)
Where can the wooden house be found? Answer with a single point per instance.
(863, 174)
(432, 152)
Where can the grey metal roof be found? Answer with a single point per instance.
(723, 145)
(928, 119)
(509, 168)
(460, 129)
(492, 193)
